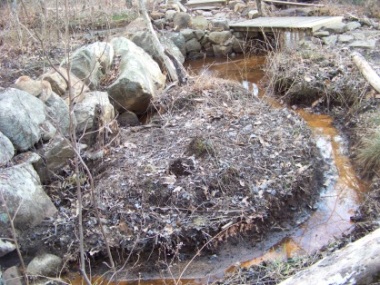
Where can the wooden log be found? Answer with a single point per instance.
(366, 70)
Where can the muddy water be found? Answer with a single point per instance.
(341, 193)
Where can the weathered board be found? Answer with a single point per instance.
(279, 2)
(205, 4)
(270, 24)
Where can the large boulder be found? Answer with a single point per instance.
(58, 81)
(23, 119)
(7, 150)
(139, 79)
(103, 52)
(58, 114)
(145, 40)
(26, 201)
(85, 66)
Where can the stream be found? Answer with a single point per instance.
(338, 201)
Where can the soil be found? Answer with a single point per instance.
(212, 167)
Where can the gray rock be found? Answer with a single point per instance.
(221, 51)
(45, 265)
(219, 25)
(320, 34)
(199, 34)
(145, 41)
(330, 40)
(12, 276)
(238, 46)
(55, 155)
(179, 40)
(357, 263)
(220, 38)
(352, 26)
(128, 119)
(369, 44)
(22, 118)
(193, 45)
(6, 247)
(58, 114)
(338, 28)
(139, 79)
(181, 21)
(7, 150)
(199, 23)
(345, 38)
(95, 109)
(85, 66)
(103, 53)
(169, 15)
(24, 196)
(188, 34)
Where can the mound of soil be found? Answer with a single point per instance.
(215, 163)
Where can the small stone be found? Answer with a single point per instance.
(345, 38)
(188, 34)
(6, 247)
(12, 276)
(320, 34)
(45, 265)
(252, 14)
(352, 26)
(169, 15)
(330, 40)
(370, 44)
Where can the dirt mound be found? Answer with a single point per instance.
(216, 163)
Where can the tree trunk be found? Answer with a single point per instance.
(366, 70)
(173, 72)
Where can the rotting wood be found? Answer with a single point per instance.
(366, 70)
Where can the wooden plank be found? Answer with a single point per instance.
(292, 3)
(207, 3)
(268, 24)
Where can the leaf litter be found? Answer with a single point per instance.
(214, 162)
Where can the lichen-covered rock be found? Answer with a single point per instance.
(24, 197)
(85, 66)
(58, 114)
(145, 41)
(103, 52)
(139, 79)
(23, 119)
(7, 150)
(45, 265)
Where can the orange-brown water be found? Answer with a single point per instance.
(339, 197)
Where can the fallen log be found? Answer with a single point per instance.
(357, 263)
(366, 70)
